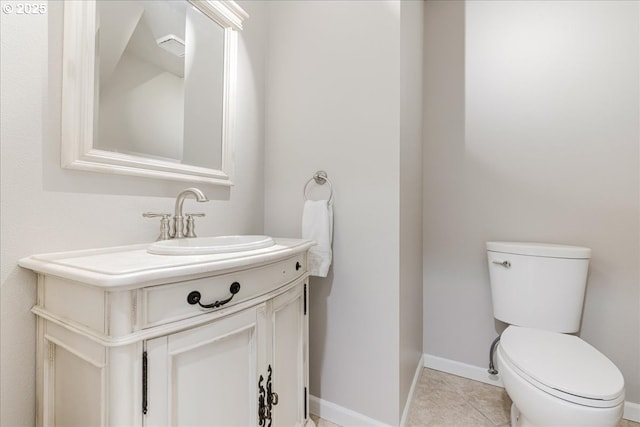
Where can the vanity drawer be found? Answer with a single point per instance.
(169, 303)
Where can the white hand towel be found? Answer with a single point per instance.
(317, 224)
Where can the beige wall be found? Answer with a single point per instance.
(410, 190)
(532, 133)
(334, 103)
(44, 208)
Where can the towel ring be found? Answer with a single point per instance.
(320, 178)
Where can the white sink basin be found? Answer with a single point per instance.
(209, 245)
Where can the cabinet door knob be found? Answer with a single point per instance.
(195, 296)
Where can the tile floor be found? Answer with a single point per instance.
(447, 400)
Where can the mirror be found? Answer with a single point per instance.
(148, 87)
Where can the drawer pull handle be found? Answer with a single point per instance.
(194, 297)
(298, 266)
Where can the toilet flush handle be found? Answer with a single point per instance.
(505, 263)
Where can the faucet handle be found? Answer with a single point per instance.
(154, 215)
(164, 224)
(191, 224)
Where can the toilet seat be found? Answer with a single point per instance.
(563, 365)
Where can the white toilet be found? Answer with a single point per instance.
(553, 379)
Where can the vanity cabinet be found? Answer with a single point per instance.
(119, 344)
(200, 374)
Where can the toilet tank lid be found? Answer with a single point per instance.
(562, 362)
(540, 249)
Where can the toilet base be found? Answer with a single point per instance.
(515, 416)
(518, 420)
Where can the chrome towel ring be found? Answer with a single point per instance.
(320, 178)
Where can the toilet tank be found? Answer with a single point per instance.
(538, 285)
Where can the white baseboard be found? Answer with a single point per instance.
(461, 369)
(407, 404)
(340, 415)
(631, 410)
(347, 418)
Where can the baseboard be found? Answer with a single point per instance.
(407, 404)
(347, 418)
(339, 415)
(461, 369)
(631, 410)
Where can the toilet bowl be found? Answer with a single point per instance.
(556, 379)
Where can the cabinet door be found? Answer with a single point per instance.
(207, 376)
(288, 356)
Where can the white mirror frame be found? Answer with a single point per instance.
(79, 100)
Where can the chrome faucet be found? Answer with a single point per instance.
(178, 231)
(178, 219)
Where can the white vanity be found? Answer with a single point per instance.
(123, 339)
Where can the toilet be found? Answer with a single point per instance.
(552, 377)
